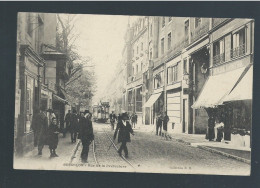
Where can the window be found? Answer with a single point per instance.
(172, 75)
(186, 28)
(169, 75)
(219, 51)
(162, 46)
(142, 46)
(133, 70)
(138, 100)
(238, 43)
(151, 30)
(141, 66)
(170, 19)
(197, 22)
(169, 41)
(136, 68)
(151, 54)
(137, 50)
(163, 22)
(185, 66)
(29, 25)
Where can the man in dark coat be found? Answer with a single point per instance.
(124, 129)
(67, 121)
(73, 126)
(112, 118)
(159, 124)
(165, 125)
(40, 127)
(211, 125)
(86, 134)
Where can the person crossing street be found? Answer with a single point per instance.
(123, 129)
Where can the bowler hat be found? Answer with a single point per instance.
(124, 116)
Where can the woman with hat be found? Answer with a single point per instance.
(124, 129)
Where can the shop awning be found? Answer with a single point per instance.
(152, 100)
(216, 88)
(59, 99)
(243, 90)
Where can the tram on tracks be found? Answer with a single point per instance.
(101, 112)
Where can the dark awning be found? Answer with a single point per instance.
(59, 99)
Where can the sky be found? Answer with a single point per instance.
(101, 37)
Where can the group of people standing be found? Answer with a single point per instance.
(46, 130)
(162, 120)
(80, 126)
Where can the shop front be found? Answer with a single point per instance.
(229, 101)
(30, 65)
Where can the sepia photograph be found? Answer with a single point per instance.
(129, 93)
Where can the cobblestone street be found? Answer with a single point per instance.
(147, 153)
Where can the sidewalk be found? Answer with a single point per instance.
(197, 140)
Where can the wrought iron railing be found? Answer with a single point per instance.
(183, 43)
(217, 21)
(218, 59)
(200, 31)
(51, 85)
(238, 51)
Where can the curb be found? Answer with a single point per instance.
(74, 151)
(225, 154)
(215, 151)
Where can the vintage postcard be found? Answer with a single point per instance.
(142, 94)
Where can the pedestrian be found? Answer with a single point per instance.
(159, 125)
(67, 123)
(165, 125)
(53, 137)
(86, 134)
(112, 117)
(135, 119)
(73, 126)
(40, 127)
(211, 125)
(124, 128)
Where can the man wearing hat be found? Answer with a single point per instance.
(86, 134)
(73, 125)
(124, 129)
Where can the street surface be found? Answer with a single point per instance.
(147, 153)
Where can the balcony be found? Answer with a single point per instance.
(183, 43)
(238, 51)
(217, 21)
(200, 31)
(51, 86)
(218, 59)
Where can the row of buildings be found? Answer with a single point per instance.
(191, 68)
(41, 73)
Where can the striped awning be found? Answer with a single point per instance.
(244, 89)
(217, 88)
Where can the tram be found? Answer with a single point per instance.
(101, 112)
